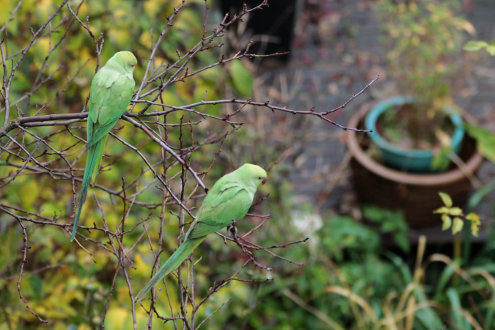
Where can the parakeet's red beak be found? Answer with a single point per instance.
(264, 180)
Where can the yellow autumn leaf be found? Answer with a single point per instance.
(29, 193)
(138, 107)
(151, 7)
(7, 8)
(171, 98)
(469, 28)
(473, 217)
(475, 223)
(42, 47)
(120, 37)
(475, 228)
(145, 37)
(115, 318)
(141, 266)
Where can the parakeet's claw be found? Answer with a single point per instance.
(232, 228)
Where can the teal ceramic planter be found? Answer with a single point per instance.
(410, 160)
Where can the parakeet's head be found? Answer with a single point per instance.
(127, 60)
(254, 173)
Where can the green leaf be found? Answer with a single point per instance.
(455, 307)
(447, 201)
(442, 210)
(241, 78)
(403, 242)
(455, 211)
(36, 285)
(485, 140)
(479, 194)
(446, 222)
(457, 226)
(445, 279)
(190, 22)
(391, 222)
(491, 49)
(441, 159)
(11, 242)
(475, 45)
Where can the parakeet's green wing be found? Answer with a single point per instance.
(231, 203)
(101, 82)
(108, 102)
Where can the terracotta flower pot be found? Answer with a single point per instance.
(415, 194)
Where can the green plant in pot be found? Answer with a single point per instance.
(417, 132)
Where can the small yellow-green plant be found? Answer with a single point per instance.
(454, 217)
(476, 45)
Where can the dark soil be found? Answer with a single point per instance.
(403, 127)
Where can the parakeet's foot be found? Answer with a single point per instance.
(232, 228)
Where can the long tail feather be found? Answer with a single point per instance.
(93, 161)
(100, 147)
(175, 260)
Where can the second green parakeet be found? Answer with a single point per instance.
(111, 92)
(228, 200)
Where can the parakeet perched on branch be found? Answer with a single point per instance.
(110, 94)
(228, 200)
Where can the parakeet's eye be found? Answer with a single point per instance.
(259, 178)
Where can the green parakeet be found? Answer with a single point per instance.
(228, 200)
(110, 94)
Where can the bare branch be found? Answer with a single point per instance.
(167, 151)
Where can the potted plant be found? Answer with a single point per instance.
(416, 131)
(416, 194)
(417, 134)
